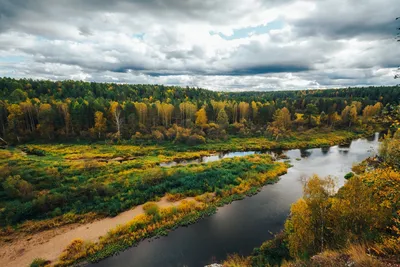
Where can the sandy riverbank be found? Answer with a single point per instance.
(49, 244)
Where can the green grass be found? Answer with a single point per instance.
(82, 178)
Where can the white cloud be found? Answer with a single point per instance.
(320, 44)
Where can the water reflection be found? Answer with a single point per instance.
(325, 150)
(346, 145)
(305, 153)
(245, 224)
(211, 158)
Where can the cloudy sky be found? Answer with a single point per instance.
(220, 45)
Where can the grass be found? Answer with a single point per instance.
(81, 182)
(84, 178)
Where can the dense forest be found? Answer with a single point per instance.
(32, 110)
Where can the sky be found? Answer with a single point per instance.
(230, 45)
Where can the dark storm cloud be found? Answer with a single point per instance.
(340, 19)
(254, 70)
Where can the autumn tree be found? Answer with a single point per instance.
(201, 117)
(46, 120)
(15, 119)
(234, 107)
(30, 115)
(333, 118)
(316, 194)
(254, 108)
(115, 110)
(349, 115)
(217, 106)
(281, 124)
(357, 105)
(389, 149)
(165, 111)
(298, 228)
(64, 110)
(356, 215)
(100, 123)
(188, 110)
(244, 109)
(222, 119)
(142, 112)
(323, 118)
(308, 225)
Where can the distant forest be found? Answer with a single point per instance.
(69, 110)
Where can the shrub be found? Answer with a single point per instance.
(206, 197)
(237, 261)
(77, 249)
(154, 176)
(272, 252)
(174, 197)
(359, 168)
(39, 262)
(15, 186)
(151, 208)
(157, 135)
(349, 175)
(34, 151)
(196, 139)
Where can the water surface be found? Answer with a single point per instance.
(243, 225)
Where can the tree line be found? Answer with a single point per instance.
(68, 110)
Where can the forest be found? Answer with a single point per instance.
(76, 152)
(37, 110)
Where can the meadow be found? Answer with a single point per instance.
(50, 185)
(44, 181)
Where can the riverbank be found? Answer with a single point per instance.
(51, 243)
(84, 172)
(160, 223)
(245, 224)
(140, 165)
(365, 228)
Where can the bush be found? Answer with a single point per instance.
(39, 262)
(349, 175)
(75, 250)
(272, 252)
(154, 176)
(174, 197)
(157, 136)
(237, 261)
(15, 186)
(34, 151)
(196, 139)
(151, 208)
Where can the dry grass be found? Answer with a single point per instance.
(236, 260)
(358, 254)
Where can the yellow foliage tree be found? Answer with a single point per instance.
(100, 123)
(115, 110)
(201, 117)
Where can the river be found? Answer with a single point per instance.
(245, 224)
